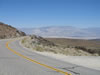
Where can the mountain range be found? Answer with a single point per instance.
(65, 32)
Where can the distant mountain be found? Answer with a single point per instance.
(65, 32)
(7, 31)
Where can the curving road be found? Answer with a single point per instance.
(19, 64)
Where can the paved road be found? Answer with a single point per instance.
(12, 64)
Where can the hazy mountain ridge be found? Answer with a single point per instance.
(64, 31)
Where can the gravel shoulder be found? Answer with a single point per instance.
(86, 61)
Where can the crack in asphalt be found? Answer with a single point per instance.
(70, 69)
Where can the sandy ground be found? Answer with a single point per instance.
(86, 61)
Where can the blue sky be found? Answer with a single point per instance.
(39, 13)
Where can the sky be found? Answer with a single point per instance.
(43, 13)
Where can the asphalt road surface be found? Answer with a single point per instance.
(24, 62)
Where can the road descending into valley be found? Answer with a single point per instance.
(16, 60)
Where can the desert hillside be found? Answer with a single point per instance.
(41, 44)
(7, 31)
(91, 46)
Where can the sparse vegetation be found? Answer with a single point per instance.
(40, 44)
(90, 46)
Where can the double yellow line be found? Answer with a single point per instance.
(25, 57)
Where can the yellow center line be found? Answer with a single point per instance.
(25, 57)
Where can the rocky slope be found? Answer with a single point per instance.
(7, 31)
